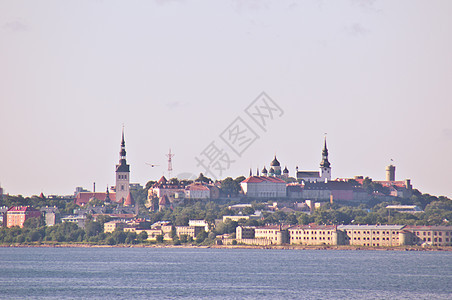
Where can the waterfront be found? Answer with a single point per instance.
(223, 273)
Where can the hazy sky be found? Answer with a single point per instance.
(375, 75)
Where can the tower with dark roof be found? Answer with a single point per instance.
(285, 173)
(276, 166)
(122, 174)
(325, 166)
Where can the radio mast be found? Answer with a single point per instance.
(170, 163)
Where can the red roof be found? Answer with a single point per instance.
(129, 201)
(259, 179)
(22, 208)
(197, 187)
(164, 201)
(84, 197)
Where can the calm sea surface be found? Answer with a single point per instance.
(169, 273)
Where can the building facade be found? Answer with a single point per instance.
(316, 235)
(191, 231)
(197, 191)
(264, 187)
(375, 235)
(430, 235)
(17, 215)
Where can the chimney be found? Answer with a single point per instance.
(94, 187)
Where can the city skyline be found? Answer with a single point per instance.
(373, 75)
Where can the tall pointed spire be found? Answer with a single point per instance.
(325, 163)
(122, 173)
(122, 152)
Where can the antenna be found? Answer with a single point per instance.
(170, 163)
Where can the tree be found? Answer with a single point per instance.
(34, 222)
(248, 211)
(230, 187)
(240, 179)
(143, 235)
(149, 184)
(201, 237)
(203, 179)
(92, 228)
(95, 202)
(183, 238)
(119, 236)
(159, 238)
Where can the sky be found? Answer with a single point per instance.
(374, 76)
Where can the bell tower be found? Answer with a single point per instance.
(122, 174)
(325, 166)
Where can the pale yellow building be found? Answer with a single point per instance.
(191, 231)
(113, 225)
(316, 235)
(375, 235)
(430, 235)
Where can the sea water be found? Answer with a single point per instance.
(200, 273)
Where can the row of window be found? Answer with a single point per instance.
(311, 232)
(434, 233)
(369, 232)
(375, 238)
(122, 176)
(312, 238)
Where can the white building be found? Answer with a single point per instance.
(199, 223)
(264, 187)
(197, 191)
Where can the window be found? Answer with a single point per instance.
(440, 239)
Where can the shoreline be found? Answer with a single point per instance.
(268, 247)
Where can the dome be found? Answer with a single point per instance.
(264, 171)
(275, 163)
(285, 170)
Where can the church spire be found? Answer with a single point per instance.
(122, 166)
(325, 163)
(122, 153)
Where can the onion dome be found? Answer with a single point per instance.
(285, 171)
(264, 171)
(275, 163)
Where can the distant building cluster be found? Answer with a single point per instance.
(318, 186)
(333, 235)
